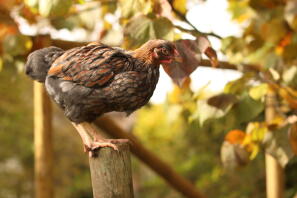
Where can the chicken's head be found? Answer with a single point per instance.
(158, 52)
(165, 52)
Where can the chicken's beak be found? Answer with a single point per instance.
(177, 56)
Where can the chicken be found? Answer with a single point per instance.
(89, 81)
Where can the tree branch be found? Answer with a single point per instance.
(227, 65)
(195, 31)
(204, 62)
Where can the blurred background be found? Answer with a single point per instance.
(211, 125)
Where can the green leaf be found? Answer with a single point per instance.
(205, 112)
(17, 44)
(130, 8)
(277, 144)
(238, 86)
(143, 28)
(233, 48)
(138, 31)
(260, 54)
(163, 28)
(68, 23)
(54, 7)
(247, 109)
(274, 30)
(108, 7)
(240, 10)
(259, 91)
(86, 19)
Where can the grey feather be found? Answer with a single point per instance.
(39, 62)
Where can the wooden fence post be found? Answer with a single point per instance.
(274, 172)
(164, 170)
(111, 172)
(43, 148)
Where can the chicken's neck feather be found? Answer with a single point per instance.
(145, 55)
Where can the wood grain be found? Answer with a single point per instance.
(111, 172)
(43, 147)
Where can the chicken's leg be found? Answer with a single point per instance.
(90, 138)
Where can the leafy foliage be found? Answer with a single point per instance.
(190, 52)
(143, 28)
(192, 127)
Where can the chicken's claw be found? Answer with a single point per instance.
(91, 149)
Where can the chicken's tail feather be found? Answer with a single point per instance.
(39, 62)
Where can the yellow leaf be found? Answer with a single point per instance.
(130, 8)
(175, 95)
(292, 101)
(180, 5)
(259, 91)
(291, 91)
(279, 50)
(277, 122)
(54, 7)
(107, 25)
(286, 93)
(274, 74)
(240, 10)
(257, 131)
(242, 18)
(33, 4)
(255, 151)
(28, 44)
(248, 143)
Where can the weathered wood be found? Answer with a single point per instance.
(274, 172)
(111, 172)
(43, 148)
(177, 181)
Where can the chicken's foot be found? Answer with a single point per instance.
(91, 138)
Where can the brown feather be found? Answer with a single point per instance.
(91, 80)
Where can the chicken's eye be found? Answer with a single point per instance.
(164, 51)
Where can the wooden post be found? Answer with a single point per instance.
(43, 148)
(177, 181)
(111, 172)
(274, 172)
